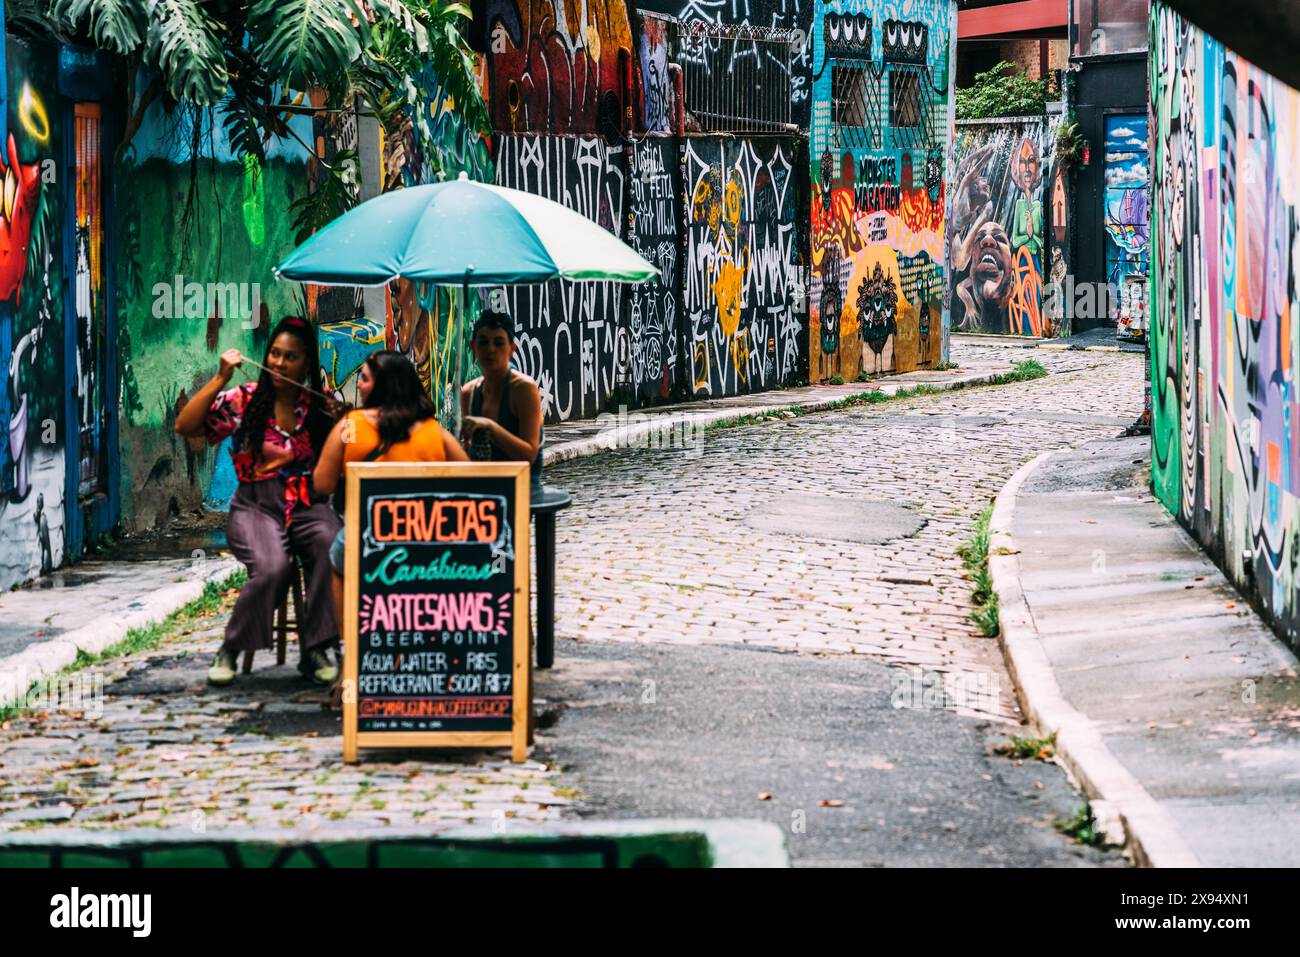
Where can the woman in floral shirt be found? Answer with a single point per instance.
(278, 426)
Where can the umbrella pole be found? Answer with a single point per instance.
(459, 351)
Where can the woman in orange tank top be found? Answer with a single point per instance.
(396, 423)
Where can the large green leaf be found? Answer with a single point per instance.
(116, 25)
(401, 14)
(307, 43)
(183, 45)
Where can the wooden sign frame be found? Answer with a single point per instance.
(517, 739)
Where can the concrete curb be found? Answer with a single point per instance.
(1148, 829)
(666, 424)
(19, 671)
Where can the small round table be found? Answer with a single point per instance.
(544, 507)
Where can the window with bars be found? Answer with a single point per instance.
(904, 98)
(855, 105)
(848, 96)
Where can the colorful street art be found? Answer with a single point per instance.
(742, 321)
(999, 237)
(569, 332)
(1225, 352)
(881, 123)
(236, 228)
(656, 90)
(1128, 234)
(33, 433)
(559, 67)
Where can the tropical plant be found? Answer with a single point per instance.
(1002, 91)
(1069, 142)
(252, 62)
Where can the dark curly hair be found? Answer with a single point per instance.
(248, 437)
(399, 397)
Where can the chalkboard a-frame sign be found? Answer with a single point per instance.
(435, 606)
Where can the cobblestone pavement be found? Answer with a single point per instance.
(662, 546)
(165, 750)
(659, 547)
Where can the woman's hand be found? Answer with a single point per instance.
(472, 423)
(231, 360)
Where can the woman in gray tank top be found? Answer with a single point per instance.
(501, 410)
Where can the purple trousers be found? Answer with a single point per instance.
(256, 534)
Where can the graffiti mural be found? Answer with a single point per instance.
(212, 218)
(33, 373)
(1225, 380)
(558, 67)
(1128, 234)
(656, 87)
(653, 313)
(742, 323)
(881, 123)
(999, 236)
(569, 332)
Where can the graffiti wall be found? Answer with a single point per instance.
(654, 315)
(569, 332)
(34, 429)
(559, 67)
(999, 245)
(1225, 353)
(193, 279)
(881, 125)
(742, 274)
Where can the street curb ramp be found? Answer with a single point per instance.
(1148, 830)
(20, 671)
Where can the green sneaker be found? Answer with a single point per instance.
(222, 671)
(317, 664)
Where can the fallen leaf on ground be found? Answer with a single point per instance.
(765, 795)
(831, 803)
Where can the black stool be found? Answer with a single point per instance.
(544, 507)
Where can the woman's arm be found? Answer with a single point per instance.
(325, 477)
(189, 420)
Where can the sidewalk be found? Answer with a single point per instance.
(91, 605)
(1174, 705)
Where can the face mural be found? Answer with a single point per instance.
(999, 239)
(33, 467)
(1225, 384)
(880, 127)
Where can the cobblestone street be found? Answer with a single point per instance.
(668, 547)
(660, 547)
